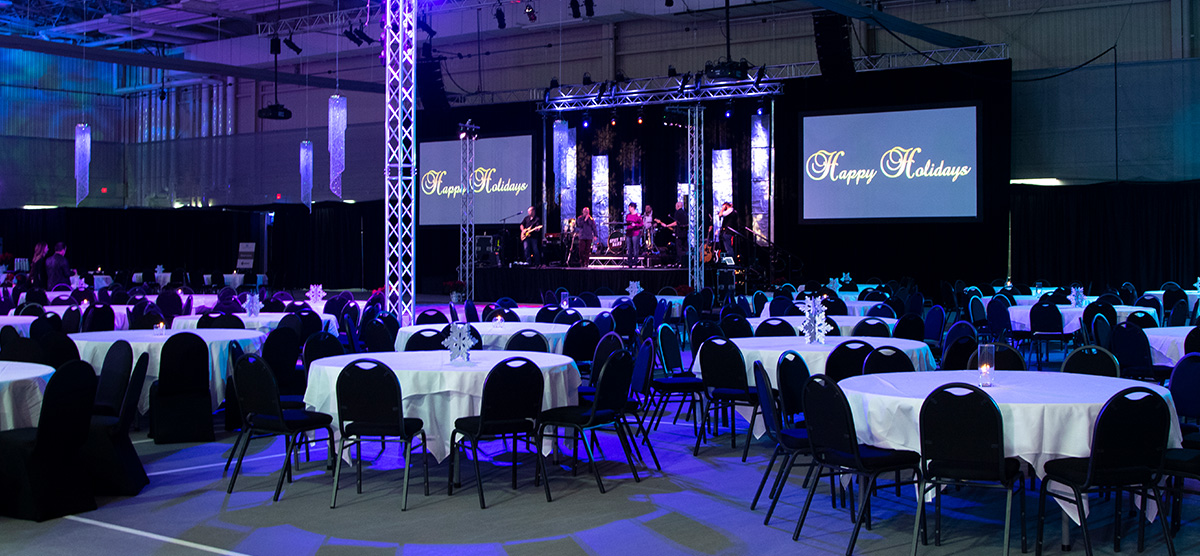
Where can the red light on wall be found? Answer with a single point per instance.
(278, 196)
(104, 190)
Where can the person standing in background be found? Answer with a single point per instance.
(633, 236)
(58, 270)
(585, 235)
(729, 226)
(680, 227)
(37, 267)
(531, 235)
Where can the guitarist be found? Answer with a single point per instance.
(585, 231)
(633, 236)
(531, 236)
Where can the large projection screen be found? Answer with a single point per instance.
(501, 180)
(891, 165)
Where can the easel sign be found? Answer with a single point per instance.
(245, 260)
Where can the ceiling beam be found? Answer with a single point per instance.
(896, 24)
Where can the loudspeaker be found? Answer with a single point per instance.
(832, 33)
(430, 86)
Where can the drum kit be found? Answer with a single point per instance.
(659, 241)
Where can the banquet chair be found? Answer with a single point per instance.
(779, 306)
(773, 327)
(273, 306)
(736, 326)
(1182, 464)
(1099, 308)
(1092, 360)
(644, 304)
(661, 312)
(114, 379)
(72, 320)
(431, 316)
(43, 324)
(872, 295)
(625, 320)
(671, 379)
(591, 299)
(229, 321)
(1128, 445)
(23, 350)
(469, 311)
(428, 339)
(935, 327)
(835, 449)
(371, 403)
(528, 340)
(57, 349)
(507, 303)
(1007, 358)
(1101, 331)
(701, 331)
(60, 301)
(732, 309)
(910, 327)
(1046, 324)
(960, 328)
(760, 303)
(846, 360)
(1132, 348)
(508, 315)
(612, 388)
(575, 301)
(1174, 295)
(40, 472)
(334, 305)
(180, 401)
(957, 354)
(7, 333)
(790, 442)
(113, 463)
(580, 343)
(37, 296)
(915, 305)
(1191, 342)
(376, 337)
(98, 318)
(281, 350)
(723, 371)
(604, 321)
(887, 359)
(311, 323)
(792, 372)
(835, 306)
(320, 346)
(148, 321)
(170, 303)
(640, 404)
(999, 322)
(620, 300)
(1179, 314)
(31, 310)
(568, 316)
(962, 444)
(295, 306)
(689, 317)
(508, 407)
(609, 344)
(1142, 319)
(1151, 302)
(265, 416)
(230, 305)
(547, 313)
(872, 327)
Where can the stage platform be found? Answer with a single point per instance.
(526, 284)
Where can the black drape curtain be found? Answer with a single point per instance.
(339, 245)
(1107, 234)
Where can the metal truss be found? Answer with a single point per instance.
(400, 253)
(329, 20)
(696, 208)
(467, 133)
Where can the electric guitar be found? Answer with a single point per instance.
(526, 232)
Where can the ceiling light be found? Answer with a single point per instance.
(365, 37)
(575, 9)
(500, 17)
(530, 13)
(589, 8)
(353, 38)
(295, 48)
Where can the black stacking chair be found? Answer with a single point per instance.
(264, 416)
(1132, 348)
(114, 379)
(872, 327)
(281, 350)
(57, 349)
(887, 359)
(7, 334)
(320, 346)
(40, 469)
(957, 355)
(470, 312)
(910, 327)
(1142, 319)
(835, 306)
(789, 442)
(311, 323)
(113, 463)
(671, 379)
(1045, 321)
(725, 387)
(376, 337)
(736, 326)
(371, 403)
(547, 313)
(1092, 360)
(72, 320)
(48, 322)
(509, 407)
(881, 310)
(1007, 359)
(148, 321)
(98, 318)
(428, 339)
(23, 350)
(432, 316)
(962, 444)
(580, 343)
(779, 306)
(774, 327)
(180, 401)
(1128, 445)
(568, 316)
(528, 340)
(835, 449)
(846, 360)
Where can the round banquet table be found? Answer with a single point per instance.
(769, 349)
(1166, 343)
(263, 322)
(18, 322)
(1033, 299)
(676, 301)
(1046, 415)
(1192, 297)
(529, 314)
(853, 308)
(120, 313)
(439, 391)
(845, 323)
(93, 346)
(21, 389)
(496, 336)
(1019, 315)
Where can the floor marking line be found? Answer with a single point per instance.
(155, 536)
(207, 465)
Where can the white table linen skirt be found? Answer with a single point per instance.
(21, 388)
(495, 337)
(263, 322)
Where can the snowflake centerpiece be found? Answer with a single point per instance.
(846, 279)
(1197, 284)
(1078, 299)
(460, 341)
(814, 325)
(316, 292)
(159, 269)
(833, 284)
(635, 286)
(253, 305)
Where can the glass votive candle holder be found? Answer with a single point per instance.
(987, 363)
(160, 329)
(564, 300)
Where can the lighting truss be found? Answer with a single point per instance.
(329, 20)
(467, 134)
(696, 212)
(400, 277)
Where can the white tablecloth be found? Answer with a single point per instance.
(264, 322)
(18, 322)
(607, 301)
(769, 349)
(1166, 343)
(120, 314)
(93, 346)
(529, 314)
(853, 308)
(1192, 297)
(1033, 299)
(495, 337)
(438, 391)
(163, 278)
(1046, 415)
(101, 281)
(1019, 315)
(21, 389)
(845, 323)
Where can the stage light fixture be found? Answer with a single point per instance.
(554, 83)
(760, 75)
(423, 24)
(587, 78)
(670, 3)
(500, 23)
(683, 81)
(587, 120)
(600, 91)
(365, 37)
(760, 107)
(729, 109)
(353, 38)
(671, 71)
(589, 8)
(293, 46)
(530, 13)
(613, 121)
(640, 116)
(575, 9)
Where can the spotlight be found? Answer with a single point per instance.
(589, 8)
(293, 46)
(670, 3)
(587, 78)
(532, 15)
(423, 24)
(600, 92)
(365, 37)
(760, 107)
(760, 75)
(575, 9)
(500, 18)
(640, 114)
(613, 121)
(587, 119)
(353, 38)
(620, 76)
(729, 109)
(553, 82)
(671, 71)
(683, 81)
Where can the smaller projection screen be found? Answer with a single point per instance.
(502, 180)
(891, 165)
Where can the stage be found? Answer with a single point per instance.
(526, 284)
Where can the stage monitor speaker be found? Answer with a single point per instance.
(487, 251)
(832, 33)
(430, 85)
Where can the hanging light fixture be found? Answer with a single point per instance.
(306, 173)
(337, 143)
(83, 161)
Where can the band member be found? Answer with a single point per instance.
(585, 235)
(648, 228)
(729, 225)
(680, 227)
(531, 236)
(633, 235)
